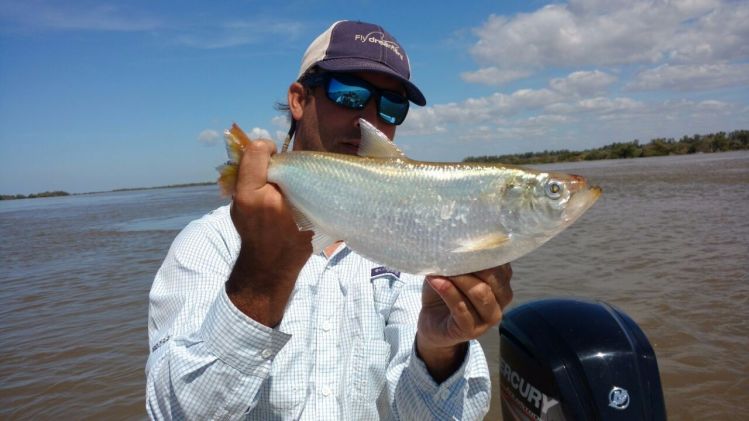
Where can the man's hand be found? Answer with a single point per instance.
(455, 310)
(273, 250)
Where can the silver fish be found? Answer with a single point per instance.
(420, 217)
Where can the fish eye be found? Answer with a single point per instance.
(553, 189)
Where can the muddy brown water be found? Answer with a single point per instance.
(667, 243)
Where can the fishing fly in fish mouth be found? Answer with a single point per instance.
(447, 218)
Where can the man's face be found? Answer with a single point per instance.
(325, 126)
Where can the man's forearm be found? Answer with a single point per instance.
(260, 294)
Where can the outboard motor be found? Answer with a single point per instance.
(563, 359)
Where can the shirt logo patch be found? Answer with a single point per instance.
(383, 271)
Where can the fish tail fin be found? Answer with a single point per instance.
(236, 141)
(227, 179)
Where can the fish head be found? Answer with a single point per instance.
(563, 198)
(546, 203)
(566, 196)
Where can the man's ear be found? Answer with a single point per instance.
(297, 98)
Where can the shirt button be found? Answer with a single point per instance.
(326, 391)
(326, 325)
(267, 353)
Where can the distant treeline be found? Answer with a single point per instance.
(64, 193)
(33, 196)
(716, 142)
(171, 186)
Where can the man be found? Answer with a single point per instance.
(245, 323)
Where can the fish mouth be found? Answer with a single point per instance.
(578, 184)
(581, 201)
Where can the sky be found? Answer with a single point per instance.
(100, 95)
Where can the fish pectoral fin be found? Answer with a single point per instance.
(320, 240)
(375, 144)
(486, 242)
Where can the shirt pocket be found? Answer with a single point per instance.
(385, 290)
(368, 375)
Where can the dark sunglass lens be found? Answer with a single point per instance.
(348, 95)
(393, 108)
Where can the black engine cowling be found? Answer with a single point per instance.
(564, 359)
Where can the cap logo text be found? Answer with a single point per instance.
(379, 38)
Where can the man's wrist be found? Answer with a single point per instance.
(441, 362)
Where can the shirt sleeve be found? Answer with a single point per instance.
(207, 359)
(412, 393)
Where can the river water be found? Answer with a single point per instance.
(667, 243)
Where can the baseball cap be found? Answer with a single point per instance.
(353, 46)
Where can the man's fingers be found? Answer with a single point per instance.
(253, 166)
(498, 279)
(480, 296)
(461, 310)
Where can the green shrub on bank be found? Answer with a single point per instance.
(716, 142)
(33, 196)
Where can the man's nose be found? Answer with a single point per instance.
(370, 114)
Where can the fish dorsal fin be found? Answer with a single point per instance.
(375, 144)
(320, 240)
(485, 242)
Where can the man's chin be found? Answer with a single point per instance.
(347, 148)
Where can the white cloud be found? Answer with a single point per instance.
(494, 75)
(281, 121)
(238, 32)
(691, 77)
(89, 17)
(617, 71)
(720, 34)
(547, 120)
(258, 133)
(596, 105)
(605, 33)
(209, 137)
(195, 32)
(583, 83)
(280, 137)
(564, 96)
(575, 125)
(713, 105)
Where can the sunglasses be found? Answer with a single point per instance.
(354, 93)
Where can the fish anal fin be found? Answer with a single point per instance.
(302, 222)
(486, 242)
(375, 144)
(321, 240)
